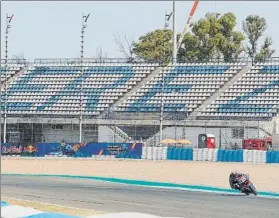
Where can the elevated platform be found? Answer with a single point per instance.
(182, 123)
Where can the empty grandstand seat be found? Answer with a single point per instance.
(256, 94)
(51, 89)
(183, 83)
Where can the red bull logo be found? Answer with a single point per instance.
(30, 149)
(18, 149)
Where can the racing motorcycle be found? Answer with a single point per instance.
(242, 183)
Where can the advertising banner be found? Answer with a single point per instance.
(119, 150)
(122, 150)
(18, 149)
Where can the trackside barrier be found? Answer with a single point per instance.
(212, 155)
(138, 151)
(179, 153)
(205, 154)
(230, 156)
(254, 156)
(272, 157)
(154, 153)
(80, 150)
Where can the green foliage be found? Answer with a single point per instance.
(214, 37)
(154, 46)
(266, 51)
(254, 27)
(211, 37)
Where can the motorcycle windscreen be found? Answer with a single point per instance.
(202, 141)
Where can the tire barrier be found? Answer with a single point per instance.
(254, 156)
(272, 157)
(211, 155)
(205, 154)
(180, 154)
(154, 153)
(230, 156)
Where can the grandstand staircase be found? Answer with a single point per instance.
(120, 133)
(116, 129)
(154, 139)
(132, 91)
(207, 102)
(13, 77)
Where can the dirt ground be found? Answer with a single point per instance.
(265, 177)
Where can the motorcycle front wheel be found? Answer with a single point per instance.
(253, 189)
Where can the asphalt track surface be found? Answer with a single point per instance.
(112, 197)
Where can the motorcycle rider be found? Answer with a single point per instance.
(233, 180)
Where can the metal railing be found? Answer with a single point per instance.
(218, 60)
(88, 61)
(14, 61)
(57, 61)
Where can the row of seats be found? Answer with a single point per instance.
(43, 89)
(259, 97)
(50, 87)
(186, 81)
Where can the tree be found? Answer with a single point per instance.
(126, 50)
(230, 41)
(266, 51)
(189, 50)
(210, 37)
(254, 27)
(154, 46)
(100, 55)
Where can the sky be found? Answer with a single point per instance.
(52, 29)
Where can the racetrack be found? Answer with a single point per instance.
(112, 197)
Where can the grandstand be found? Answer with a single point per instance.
(123, 99)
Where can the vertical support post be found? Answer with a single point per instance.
(162, 107)
(258, 129)
(32, 132)
(84, 21)
(220, 138)
(175, 131)
(114, 133)
(167, 17)
(184, 130)
(174, 52)
(8, 26)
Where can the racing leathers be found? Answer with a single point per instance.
(233, 180)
